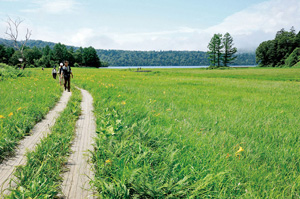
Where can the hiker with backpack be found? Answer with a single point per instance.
(54, 72)
(66, 73)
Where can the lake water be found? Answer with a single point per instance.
(152, 67)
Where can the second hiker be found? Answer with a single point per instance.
(66, 73)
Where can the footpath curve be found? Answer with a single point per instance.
(76, 179)
(39, 131)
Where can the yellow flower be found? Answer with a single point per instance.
(123, 103)
(19, 108)
(108, 161)
(119, 95)
(164, 92)
(1, 117)
(9, 115)
(240, 150)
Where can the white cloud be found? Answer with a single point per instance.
(248, 27)
(82, 36)
(260, 22)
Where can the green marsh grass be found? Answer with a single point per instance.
(41, 176)
(24, 102)
(8, 72)
(194, 133)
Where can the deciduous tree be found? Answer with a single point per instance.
(90, 57)
(12, 32)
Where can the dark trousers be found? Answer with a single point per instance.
(67, 83)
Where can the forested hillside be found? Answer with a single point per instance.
(165, 58)
(49, 57)
(150, 58)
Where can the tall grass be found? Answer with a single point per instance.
(196, 133)
(24, 102)
(41, 176)
(7, 72)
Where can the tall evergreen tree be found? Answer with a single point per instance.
(215, 50)
(229, 50)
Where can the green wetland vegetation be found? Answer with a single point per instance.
(26, 96)
(193, 133)
(168, 133)
(41, 176)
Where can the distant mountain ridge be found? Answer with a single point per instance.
(148, 58)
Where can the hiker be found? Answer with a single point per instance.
(54, 72)
(60, 72)
(66, 72)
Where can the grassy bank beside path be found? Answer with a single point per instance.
(24, 102)
(41, 176)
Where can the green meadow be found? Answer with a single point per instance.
(41, 176)
(193, 133)
(25, 100)
(168, 133)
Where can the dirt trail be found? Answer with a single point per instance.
(39, 131)
(76, 180)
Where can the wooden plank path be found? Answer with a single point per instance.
(76, 180)
(39, 131)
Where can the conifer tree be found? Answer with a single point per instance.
(229, 51)
(215, 50)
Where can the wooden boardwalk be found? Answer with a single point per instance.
(76, 180)
(28, 143)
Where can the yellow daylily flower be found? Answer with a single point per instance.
(108, 161)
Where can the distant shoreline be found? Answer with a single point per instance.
(162, 67)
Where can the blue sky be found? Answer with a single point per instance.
(152, 24)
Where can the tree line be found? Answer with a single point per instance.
(165, 58)
(49, 57)
(283, 50)
(125, 57)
